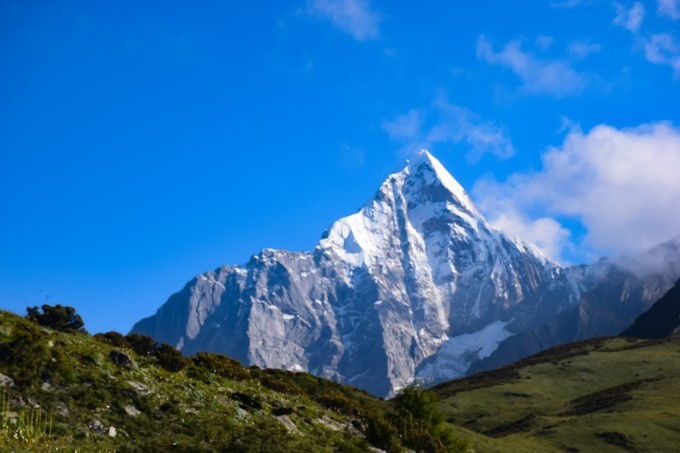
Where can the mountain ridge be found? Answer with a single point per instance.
(394, 294)
(661, 320)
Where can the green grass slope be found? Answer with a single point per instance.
(69, 391)
(600, 395)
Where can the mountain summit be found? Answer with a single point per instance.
(416, 286)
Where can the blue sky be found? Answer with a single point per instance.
(142, 143)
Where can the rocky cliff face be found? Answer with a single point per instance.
(614, 292)
(415, 286)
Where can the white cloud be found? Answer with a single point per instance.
(660, 48)
(630, 19)
(544, 232)
(669, 8)
(451, 124)
(621, 184)
(581, 49)
(566, 3)
(355, 17)
(663, 49)
(405, 126)
(539, 76)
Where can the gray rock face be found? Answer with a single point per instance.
(6, 381)
(415, 286)
(123, 359)
(614, 294)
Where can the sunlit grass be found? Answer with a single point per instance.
(30, 427)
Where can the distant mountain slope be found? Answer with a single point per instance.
(660, 321)
(613, 293)
(598, 395)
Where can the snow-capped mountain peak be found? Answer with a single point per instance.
(409, 205)
(415, 272)
(426, 166)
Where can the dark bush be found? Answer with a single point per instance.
(221, 365)
(380, 433)
(419, 423)
(338, 402)
(280, 385)
(421, 405)
(57, 317)
(112, 338)
(170, 358)
(282, 410)
(248, 401)
(200, 374)
(143, 345)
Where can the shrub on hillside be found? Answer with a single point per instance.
(170, 358)
(221, 365)
(57, 317)
(112, 338)
(339, 402)
(143, 345)
(166, 356)
(419, 423)
(381, 433)
(280, 385)
(421, 405)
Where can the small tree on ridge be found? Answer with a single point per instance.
(57, 317)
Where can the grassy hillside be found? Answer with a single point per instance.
(600, 395)
(69, 391)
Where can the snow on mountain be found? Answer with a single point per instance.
(416, 285)
(456, 354)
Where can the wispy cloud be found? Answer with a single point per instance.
(669, 8)
(447, 123)
(543, 42)
(354, 17)
(404, 127)
(629, 18)
(621, 184)
(539, 76)
(663, 49)
(581, 49)
(504, 215)
(566, 4)
(659, 48)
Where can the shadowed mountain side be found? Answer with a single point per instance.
(660, 321)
